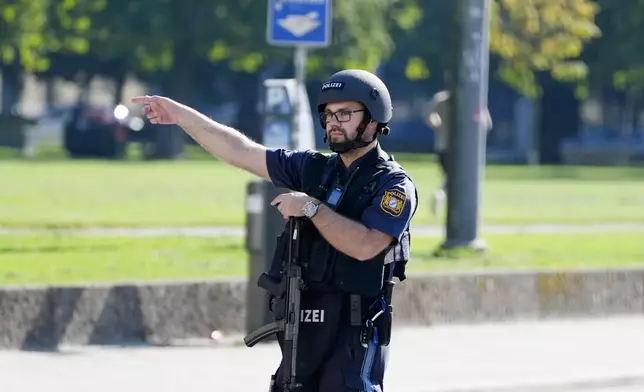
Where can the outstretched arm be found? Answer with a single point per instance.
(225, 142)
(220, 140)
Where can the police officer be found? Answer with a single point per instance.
(357, 204)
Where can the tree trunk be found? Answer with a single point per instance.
(50, 91)
(84, 85)
(119, 84)
(559, 118)
(248, 119)
(12, 84)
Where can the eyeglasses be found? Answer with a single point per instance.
(341, 116)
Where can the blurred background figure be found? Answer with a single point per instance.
(439, 119)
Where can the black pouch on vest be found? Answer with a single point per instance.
(319, 269)
(279, 256)
(359, 277)
(384, 322)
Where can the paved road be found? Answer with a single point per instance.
(434, 231)
(604, 355)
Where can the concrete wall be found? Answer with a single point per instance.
(43, 317)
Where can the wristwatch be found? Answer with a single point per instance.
(311, 208)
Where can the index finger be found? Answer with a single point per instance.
(277, 200)
(144, 99)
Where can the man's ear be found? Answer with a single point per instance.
(370, 131)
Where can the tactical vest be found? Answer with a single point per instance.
(327, 269)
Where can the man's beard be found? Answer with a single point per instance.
(342, 146)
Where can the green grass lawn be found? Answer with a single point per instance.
(55, 259)
(58, 192)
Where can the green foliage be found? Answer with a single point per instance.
(22, 24)
(422, 31)
(31, 29)
(151, 36)
(359, 42)
(528, 36)
(541, 35)
(616, 59)
(416, 69)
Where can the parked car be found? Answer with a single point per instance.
(93, 131)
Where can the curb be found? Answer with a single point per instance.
(46, 317)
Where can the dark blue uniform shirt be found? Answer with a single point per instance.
(385, 213)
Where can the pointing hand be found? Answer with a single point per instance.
(160, 110)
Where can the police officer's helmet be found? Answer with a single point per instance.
(361, 86)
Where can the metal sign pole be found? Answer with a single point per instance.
(299, 60)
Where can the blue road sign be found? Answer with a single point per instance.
(299, 22)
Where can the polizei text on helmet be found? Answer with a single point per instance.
(332, 85)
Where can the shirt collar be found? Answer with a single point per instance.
(376, 154)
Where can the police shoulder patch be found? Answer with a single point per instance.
(393, 202)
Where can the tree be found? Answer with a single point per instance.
(541, 35)
(163, 35)
(616, 62)
(616, 59)
(526, 37)
(31, 30)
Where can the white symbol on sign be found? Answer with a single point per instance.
(299, 25)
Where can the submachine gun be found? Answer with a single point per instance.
(286, 297)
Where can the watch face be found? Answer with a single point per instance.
(309, 209)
